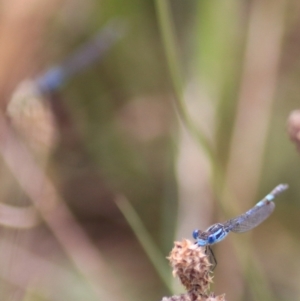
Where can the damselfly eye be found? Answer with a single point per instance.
(195, 234)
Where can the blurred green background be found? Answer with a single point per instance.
(181, 124)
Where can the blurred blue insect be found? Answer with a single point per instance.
(83, 57)
(242, 223)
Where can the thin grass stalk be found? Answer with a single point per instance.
(256, 98)
(149, 246)
(170, 46)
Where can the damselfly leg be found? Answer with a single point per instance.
(211, 256)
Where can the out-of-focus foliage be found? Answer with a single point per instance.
(181, 122)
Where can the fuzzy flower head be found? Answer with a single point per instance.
(191, 265)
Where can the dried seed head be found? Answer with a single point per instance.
(188, 297)
(33, 120)
(192, 266)
(293, 127)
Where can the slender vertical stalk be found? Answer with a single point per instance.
(170, 46)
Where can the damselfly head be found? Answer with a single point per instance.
(198, 234)
(202, 235)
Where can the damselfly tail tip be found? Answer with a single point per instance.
(283, 187)
(279, 189)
